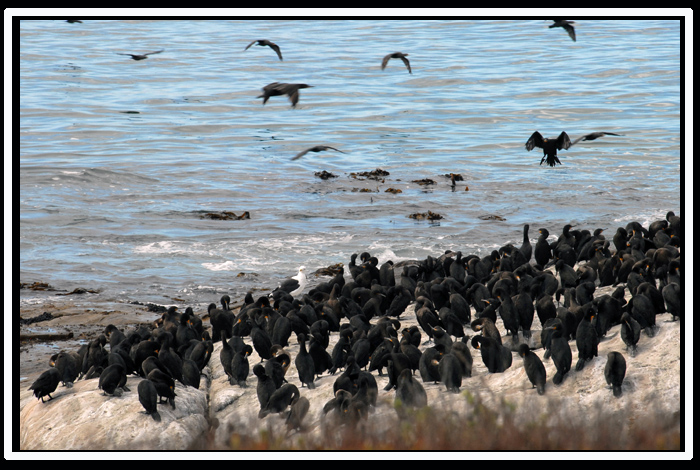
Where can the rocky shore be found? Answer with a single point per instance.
(218, 415)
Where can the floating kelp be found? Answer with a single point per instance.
(377, 174)
(324, 175)
(225, 215)
(424, 182)
(491, 217)
(426, 216)
(36, 286)
(393, 191)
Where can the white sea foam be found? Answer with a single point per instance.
(225, 266)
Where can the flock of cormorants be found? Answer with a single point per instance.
(451, 295)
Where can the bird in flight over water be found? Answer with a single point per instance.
(397, 55)
(318, 148)
(566, 24)
(141, 56)
(265, 42)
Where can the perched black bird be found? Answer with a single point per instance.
(46, 384)
(450, 370)
(534, 368)
(191, 373)
(561, 355)
(629, 332)
(496, 358)
(397, 55)
(409, 393)
(141, 56)
(428, 364)
(615, 370)
(566, 24)
(265, 388)
(318, 148)
(586, 341)
(240, 367)
(592, 136)
(279, 89)
(148, 397)
(280, 400)
(549, 146)
(165, 386)
(543, 250)
(265, 42)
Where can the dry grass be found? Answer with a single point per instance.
(483, 428)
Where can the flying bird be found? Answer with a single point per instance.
(141, 56)
(566, 24)
(593, 136)
(549, 146)
(397, 55)
(265, 42)
(278, 89)
(318, 148)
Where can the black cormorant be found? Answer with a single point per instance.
(278, 89)
(397, 55)
(534, 368)
(46, 384)
(549, 146)
(566, 24)
(317, 148)
(141, 56)
(148, 397)
(615, 371)
(265, 42)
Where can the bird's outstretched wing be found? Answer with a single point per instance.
(408, 64)
(563, 141)
(593, 136)
(246, 47)
(535, 140)
(385, 60)
(276, 48)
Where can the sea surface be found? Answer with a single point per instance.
(120, 160)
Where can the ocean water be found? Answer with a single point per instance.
(119, 159)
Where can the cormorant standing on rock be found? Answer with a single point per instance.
(629, 332)
(586, 341)
(428, 364)
(615, 370)
(240, 367)
(526, 247)
(409, 393)
(46, 384)
(543, 251)
(113, 380)
(450, 371)
(496, 357)
(165, 386)
(561, 355)
(282, 398)
(265, 387)
(534, 368)
(148, 397)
